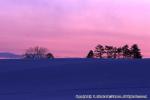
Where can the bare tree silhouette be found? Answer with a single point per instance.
(36, 53)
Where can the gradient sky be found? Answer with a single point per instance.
(70, 28)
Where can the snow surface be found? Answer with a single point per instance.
(62, 79)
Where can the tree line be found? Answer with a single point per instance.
(38, 53)
(100, 51)
(115, 52)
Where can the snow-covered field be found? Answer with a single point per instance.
(62, 79)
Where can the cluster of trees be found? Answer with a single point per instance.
(99, 52)
(37, 53)
(114, 52)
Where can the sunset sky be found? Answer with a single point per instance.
(70, 28)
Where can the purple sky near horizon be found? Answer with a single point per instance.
(70, 28)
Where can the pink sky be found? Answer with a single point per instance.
(70, 28)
